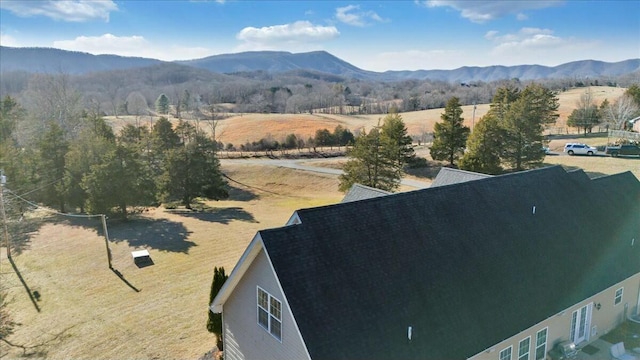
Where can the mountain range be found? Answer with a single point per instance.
(317, 63)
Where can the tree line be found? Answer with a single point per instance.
(89, 168)
(508, 138)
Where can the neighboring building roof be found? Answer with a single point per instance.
(448, 176)
(361, 192)
(466, 265)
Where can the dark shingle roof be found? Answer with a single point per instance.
(448, 176)
(361, 192)
(465, 265)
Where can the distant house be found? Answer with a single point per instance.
(496, 268)
(635, 124)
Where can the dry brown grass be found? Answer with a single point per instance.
(103, 317)
(240, 129)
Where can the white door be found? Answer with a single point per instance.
(580, 320)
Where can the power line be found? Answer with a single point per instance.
(49, 210)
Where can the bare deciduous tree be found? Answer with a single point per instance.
(619, 111)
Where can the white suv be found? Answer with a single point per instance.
(580, 149)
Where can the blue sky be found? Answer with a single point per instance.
(372, 35)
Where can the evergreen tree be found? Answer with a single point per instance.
(121, 180)
(87, 150)
(192, 171)
(395, 140)
(52, 149)
(524, 124)
(450, 135)
(214, 322)
(484, 147)
(585, 118)
(377, 158)
(162, 104)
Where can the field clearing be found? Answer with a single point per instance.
(160, 311)
(242, 128)
(102, 317)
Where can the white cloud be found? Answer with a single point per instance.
(7, 40)
(522, 17)
(351, 15)
(63, 10)
(135, 45)
(294, 35)
(482, 11)
(534, 43)
(491, 34)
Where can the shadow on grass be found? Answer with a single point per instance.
(160, 234)
(32, 295)
(238, 194)
(217, 215)
(119, 274)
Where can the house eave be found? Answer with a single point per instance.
(236, 275)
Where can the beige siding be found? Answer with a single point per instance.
(559, 326)
(243, 337)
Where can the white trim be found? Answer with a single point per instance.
(241, 267)
(294, 219)
(546, 342)
(510, 348)
(615, 296)
(268, 311)
(518, 355)
(560, 313)
(285, 301)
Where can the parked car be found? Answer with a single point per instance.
(579, 149)
(623, 150)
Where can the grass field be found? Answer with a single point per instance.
(87, 311)
(100, 316)
(240, 129)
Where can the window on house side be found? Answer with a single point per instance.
(541, 344)
(505, 354)
(618, 298)
(524, 348)
(270, 313)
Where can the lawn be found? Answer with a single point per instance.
(85, 310)
(154, 312)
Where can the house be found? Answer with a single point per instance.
(448, 176)
(497, 268)
(361, 192)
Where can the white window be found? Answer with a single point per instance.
(270, 313)
(523, 348)
(618, 298)
(541, 344)
(505, 354)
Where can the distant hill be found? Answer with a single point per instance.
(280, 61)
(317, 64)
(49, 60)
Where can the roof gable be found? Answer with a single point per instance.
(464, 258)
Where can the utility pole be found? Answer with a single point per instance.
(3, 180)
(473, 117)
(106, 239)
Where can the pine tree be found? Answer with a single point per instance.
(162, 104)
(484, 147)
(378, 157)
(450, 135)
(192, 171)
(214, 322)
